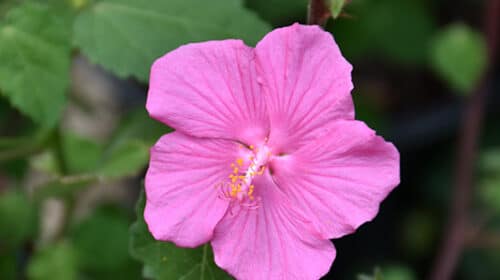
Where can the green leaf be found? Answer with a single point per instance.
(279, 12)
(8, 265)
(336, 7)
(137, 125)
(35, 58)
(490, 161)
(164, 260)
(80, 154)
(127, 152)
(17, 218)
(398, 31)
(458, 55)
(489, 184)
(56, 262)
(391, 272)
(377, 275)
(106, 232)
(397, 272)
(126, 36)
(125, 160)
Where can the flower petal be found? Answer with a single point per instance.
(270, 242)
(306, 83)
(209, 90)
(339, 180)
(181, 187)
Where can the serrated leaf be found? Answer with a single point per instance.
(56, 262)
(35, 58)
(165, 261)
(458, 55)
(126, 36)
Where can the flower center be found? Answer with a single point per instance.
(244, 170)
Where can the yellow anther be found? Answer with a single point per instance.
(235, 170)
(239, 161)
(251, 147)
(250, 190)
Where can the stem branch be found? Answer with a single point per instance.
(455, 235)
(318, 12)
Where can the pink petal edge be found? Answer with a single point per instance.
(182, 203)
(306, 83)
(339, 180)
(210, 90)
(270, 242)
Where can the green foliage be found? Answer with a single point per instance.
(126, 160)
(81, 154)
(126, 36)
(164, 260)
(377, 275)
(336, 7)
(17, 218)
(137, 125)
(128, 150)
(458, 55)
(389, 273)
(64, 187)
(279, 12)
(489, 187)
(35, 60)
(101, 244)
(419, 233)
(397, 273)
(399, 30)
(7, 265)
(55, 262)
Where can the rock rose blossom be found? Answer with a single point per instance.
(267, 162)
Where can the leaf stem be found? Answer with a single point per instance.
(23, 147)
(318, 12)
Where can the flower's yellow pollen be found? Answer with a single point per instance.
(250, 190)
(239, 186)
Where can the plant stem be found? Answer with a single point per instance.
(454, 238)
(318, 12)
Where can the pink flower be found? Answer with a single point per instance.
(267, 162)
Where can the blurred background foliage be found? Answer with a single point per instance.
(74, 134)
